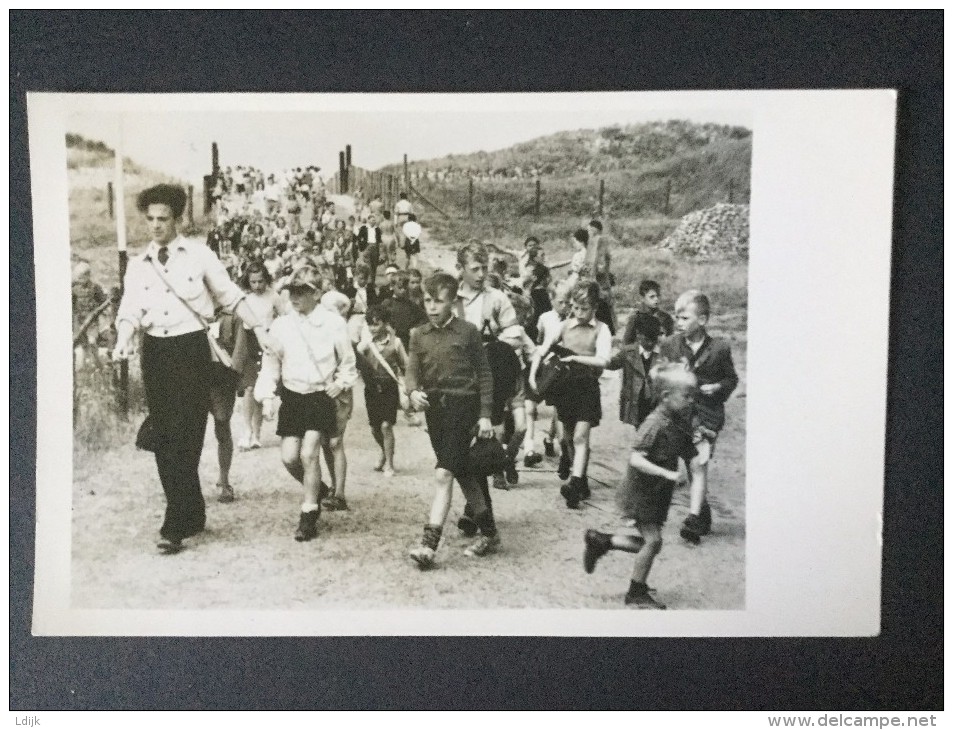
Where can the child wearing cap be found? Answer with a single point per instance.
(313, 363)
(387, 290)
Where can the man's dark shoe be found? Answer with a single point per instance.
(170, 547)
(565, 467)
(548, 448)
(692, 529)
(512, 476)
(531, 460)
(499, 481)
(597, 545)
(307, 526)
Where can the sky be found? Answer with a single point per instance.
(178, 143)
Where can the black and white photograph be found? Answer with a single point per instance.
(427, 363)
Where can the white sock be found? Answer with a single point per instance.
(310, 507)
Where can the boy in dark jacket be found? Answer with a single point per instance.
(636, 360)
(709, 358)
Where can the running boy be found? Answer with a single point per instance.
(709, 358)
(588, 342)
(313, 364)
(448, 377)
(646, 495)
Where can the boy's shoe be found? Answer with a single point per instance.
(423, 556)
(692, 529)
(583, 488)
(570, 492)
(323, 491)
(307, 526)
(532, 459)
(548, 448)
(335, 503)
(467, 526)
(565, 467)
(499, 481)
(705, 519)
(388, 472)
(512, 476)
(597, 545)
(643, 600)
(483, 546)
(426, 551)
(227, 494)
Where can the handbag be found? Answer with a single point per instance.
(218, 352)
(552, 372)
(401, 387)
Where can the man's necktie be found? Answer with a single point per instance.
(163, 255)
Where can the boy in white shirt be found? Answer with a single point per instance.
(312, 365)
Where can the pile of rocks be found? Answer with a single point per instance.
(713, 233)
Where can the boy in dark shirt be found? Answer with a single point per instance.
(649, 292)
(449, 378)
(646, 494)
(403, 314)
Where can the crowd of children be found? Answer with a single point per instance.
(465, 349)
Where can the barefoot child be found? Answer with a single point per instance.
(578, 400)
(383, 359)
(448, 376)
(709, 358)
(313, 364)
(646, 494)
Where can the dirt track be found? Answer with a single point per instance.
(248, 559)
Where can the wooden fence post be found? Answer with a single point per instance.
(470, 199)
(406, 177)
(668, 196)
(536, 205)
(731, 191)
(602, 195)
(191, 205)
(109, 196)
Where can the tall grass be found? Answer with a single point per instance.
(98, 424)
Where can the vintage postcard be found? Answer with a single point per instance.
(297, 320)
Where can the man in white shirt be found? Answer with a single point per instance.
(170, 295)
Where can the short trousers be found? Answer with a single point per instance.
(704, 440)
(412, 247)
(644, 498)
(222, 385)
(382, 402)
(451, 425)
(579, 400)
(301, 412)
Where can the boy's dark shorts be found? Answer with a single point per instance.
(301, 412)
(645, 499)
(222, 386)
(451, 422)
(382, 401)
(578, 400)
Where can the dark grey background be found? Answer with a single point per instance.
(552, 51)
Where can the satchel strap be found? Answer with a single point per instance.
(383, 362)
